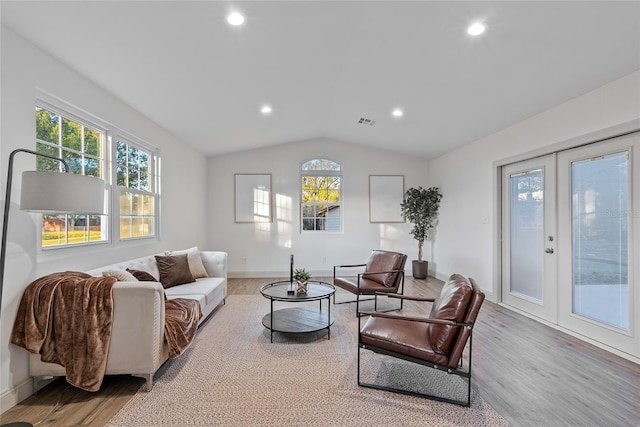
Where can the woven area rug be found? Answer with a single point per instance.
(232, 375)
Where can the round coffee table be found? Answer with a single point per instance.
(297, 320)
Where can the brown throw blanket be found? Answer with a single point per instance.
(66, 318)
(180, 324)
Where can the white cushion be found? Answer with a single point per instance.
(208, 287)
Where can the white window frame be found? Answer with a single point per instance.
(111, 133)
(67, 111)
(154, 191)
(322, 172)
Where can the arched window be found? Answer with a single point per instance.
(321, 195)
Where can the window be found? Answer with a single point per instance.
(321, 198)
(83, 148)
(129, 166)
(136, 187)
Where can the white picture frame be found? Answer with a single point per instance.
(386, 192)
(253, 198)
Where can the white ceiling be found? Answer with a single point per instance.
(323, 65)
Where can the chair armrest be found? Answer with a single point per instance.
(349, 265)
(366, 273)
(421, 319)
(335, 267)
(406, 297)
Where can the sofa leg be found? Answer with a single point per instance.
(148, 377)
(38, 379)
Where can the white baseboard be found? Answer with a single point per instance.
(274, 274)
(13, 396)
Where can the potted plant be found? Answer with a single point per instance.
(302, 276)
(420, 207)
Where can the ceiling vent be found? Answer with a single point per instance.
(366, 122)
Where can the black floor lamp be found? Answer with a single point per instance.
(50, 192)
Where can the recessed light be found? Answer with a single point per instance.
(475, 29)
(397, 113)
(266, 109)
(235, 19)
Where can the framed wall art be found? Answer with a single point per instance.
(253, 199)
(386, 192)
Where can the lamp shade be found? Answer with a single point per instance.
(64, 193)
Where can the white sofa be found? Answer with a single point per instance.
(138, 346)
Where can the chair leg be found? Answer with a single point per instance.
(465, 377)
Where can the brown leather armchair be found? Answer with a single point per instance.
(437, 341)
(383, 274)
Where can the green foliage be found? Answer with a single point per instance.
(420, 207)
(301, 274)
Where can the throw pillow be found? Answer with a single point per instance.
(142, 276)
(120, 275)
(174, 270)
(196, 266)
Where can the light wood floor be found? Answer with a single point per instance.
(531, 374)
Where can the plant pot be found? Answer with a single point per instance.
(419, 269)
(302, 286)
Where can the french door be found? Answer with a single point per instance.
(599, 206)
(582, 276)
(528, 237)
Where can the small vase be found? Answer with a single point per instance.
(302, 286)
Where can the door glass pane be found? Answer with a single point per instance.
(600, 209)
(527, 234)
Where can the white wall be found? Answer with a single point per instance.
(266, 247)
(25, 68)
(465, 242)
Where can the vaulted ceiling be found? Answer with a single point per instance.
(324, 65)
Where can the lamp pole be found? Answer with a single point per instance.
(7, 204)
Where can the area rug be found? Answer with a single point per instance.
(232, 375)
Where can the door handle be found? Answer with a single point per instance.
(549, 250)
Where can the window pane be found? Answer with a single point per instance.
(527, 234)
(125, 227)
(54, 230)
(148, 205)
(71, 135)
(321, 164)
(78, 229)
(95, 228)
(121, 153)
(92, 167)
(92, 144)
(74, 161)
(600, 209)
(46, 126)
(121, 177)
(43, 163)
(148, 226)
(125, 203)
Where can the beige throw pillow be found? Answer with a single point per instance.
(196, 266)
(120, 275)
